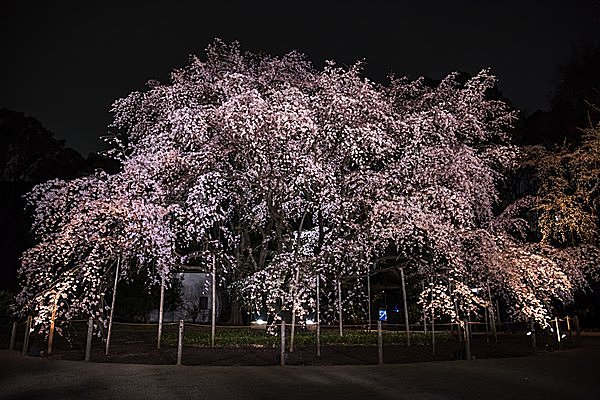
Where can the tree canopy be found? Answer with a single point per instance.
(284, 173)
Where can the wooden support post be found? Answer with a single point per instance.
(406, 323)
(487, 326)
(369, 299)
(293, 324)
(467, 340)
(459, 330)
(52, 319)
(180, 343)
(27, 334)
(498, 313)
(379, 343)
(432, 326)
(13, 336)
(294, 309)
(88, 342)
(213, 319)
(432, 333)
(492, 314)
(452, 297)
(493, 321)
(161, 311)
(282, 352)
(424, 313)
(569, 329)
(340, 311)
(558, 338)
(112, 307)
(318, 318)
(533, 337)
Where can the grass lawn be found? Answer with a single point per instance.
(236, 337)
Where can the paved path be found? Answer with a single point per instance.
(572, 374)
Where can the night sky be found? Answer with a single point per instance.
(64, 63)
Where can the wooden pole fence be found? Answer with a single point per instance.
(161, 308)
(319, 318)
(180, 343)
(282, 352)
(379, 343)
(112, 307)
(88, 343)
(406, 323)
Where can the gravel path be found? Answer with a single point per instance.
(572, 374)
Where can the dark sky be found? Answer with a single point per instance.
(64, 63)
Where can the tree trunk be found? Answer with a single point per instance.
(236, 313)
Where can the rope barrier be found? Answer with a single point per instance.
(144, 324)
(221, 326)
(323, 326)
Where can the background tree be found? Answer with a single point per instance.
(568, 198)
(577, 87)
(29, 154)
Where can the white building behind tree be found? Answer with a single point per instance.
(196, 300)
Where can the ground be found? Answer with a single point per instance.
(137, 344)
(565, 374)
(145, 352)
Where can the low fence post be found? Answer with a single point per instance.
(88, 342)
(282, 352)
(26, 336)
(569, 330)
(180, 343)
(13, 336)
(379, 343)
